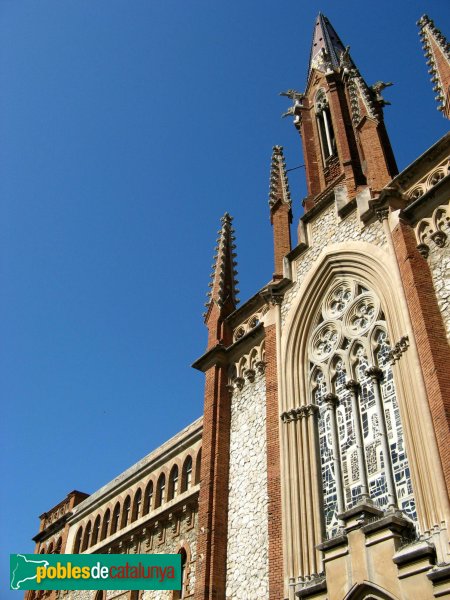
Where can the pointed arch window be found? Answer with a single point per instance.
(87, 536)
(115, 519)
(160, 490)
(173, 483)
(148, 498)
(126, 512)
(78, 538)
(137, 505)
(180, 594)
(324, 125)
(361, 443)
(186, 480)
(96, 531)
(105, 525)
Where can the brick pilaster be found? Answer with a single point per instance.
(429, 333)
(281, 219)
(213, 500)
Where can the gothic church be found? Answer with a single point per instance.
(321, 466)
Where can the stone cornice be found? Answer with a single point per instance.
(184, 439)
(188, 497)
(52, 528)
(222, 355)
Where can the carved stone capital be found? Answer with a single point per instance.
(310, 410)
(439, 238)
(250, 375)
(260, 367)
(375, 373)
(382, 214)
(276, 299)
(331, 400)
(353, 386)
(424, 250)
(238, 382)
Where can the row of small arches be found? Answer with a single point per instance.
(52, 548)
(138, 505)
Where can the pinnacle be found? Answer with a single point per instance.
(279, 185)
(437, 52)
(223, 283)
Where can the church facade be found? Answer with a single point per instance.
(321, 466)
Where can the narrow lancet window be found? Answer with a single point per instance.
(325, 126)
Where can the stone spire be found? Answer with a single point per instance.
(327, 47)
(280, 209)
(223, 283)
(437, 52)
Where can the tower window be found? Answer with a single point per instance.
(325, 125)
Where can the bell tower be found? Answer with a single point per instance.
(340, 120)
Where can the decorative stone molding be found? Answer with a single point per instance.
(433, 231)
(249, 324)
(260, 366)
(331, 400)
(247, 367)
(238, 383)
(428, 181)
(375, 373)
(382, 214)
(250, 375)
(300, 412)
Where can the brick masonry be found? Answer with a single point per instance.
(428, 327)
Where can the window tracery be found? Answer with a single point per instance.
(349, 357)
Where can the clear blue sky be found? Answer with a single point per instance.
(127, 129)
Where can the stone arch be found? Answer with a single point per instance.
(96, 531)
(105, 524)
(161, 487)
(148, 496)
(173, 482)
(198, 466)
(78, 539)
(372, 267)
(186, 473)
(184, 549)
(137, 505)
(115, 518)
(126, 512)
(369, 591)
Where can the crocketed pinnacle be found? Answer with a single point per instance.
(279, 185)
(437, 53)
(223, 282)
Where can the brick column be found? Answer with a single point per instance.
(429, 332)
(281, 219)
(273, 469)
(213, 500)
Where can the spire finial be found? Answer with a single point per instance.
(223, 282)
(437, 52)
(326, 48)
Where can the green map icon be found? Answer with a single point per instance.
(23, 569)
